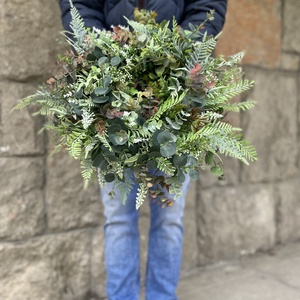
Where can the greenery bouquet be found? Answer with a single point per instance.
(147, 100)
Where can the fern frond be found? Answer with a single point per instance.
(141, 195)
(24, 102)
(221, 95)
(165, 166)
(78, 28)
(124, 187)
(87, 171)
(237, 107)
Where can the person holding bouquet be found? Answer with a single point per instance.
(121, 220)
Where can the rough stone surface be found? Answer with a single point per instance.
(291, 41)
(98, 275)
(272, 126)
(19, 128)
(254, 27)
(28, 32)
(48, 268)
(234, 221)
(190, 247)
(22, 209)
(68, 204)
(268, 276)
(288, 211)
(289, 61)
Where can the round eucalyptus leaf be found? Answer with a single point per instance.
(106, 81)
(116, 60)
(110, 177)
(101, 90)
(164, 137)
(180, 176)
(216, 170)
(102, 60)
(192, 161)
(180, 161)
(113, 128)
(194, 174)
(151, 164)
(100, 100)
(121, 137)
(168, 149)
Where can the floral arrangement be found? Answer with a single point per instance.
(147, 100)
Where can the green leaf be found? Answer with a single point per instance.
(99, 100)
(180, 161)
(116, 60)
(106, 81)
(113, 128)
(151, 164)
(97, 52)
(102, 60)
(165, 136)
(192, 161)
(121, 137)
(79, 93)
(110, 177)
(142, 37)
(209, 157)
(216, 170)
(194, 174)
(168, 149)
(100, 162)
(101, 90)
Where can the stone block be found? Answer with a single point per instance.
(190, 245)
(254, 27)
(291, 40)
(69, 205)
(54, 267)
(29, 38)
(289, 61)
(288, 210)
(19, 128)
(98, 279)
(22, 211)
(272, 126)
(234, 221)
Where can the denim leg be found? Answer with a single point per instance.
(165, 248)
(121, 246)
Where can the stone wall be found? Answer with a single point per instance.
(51, 238)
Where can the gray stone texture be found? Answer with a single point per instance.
(19, 128)
(272, 126)
(291, 40)
(288, 209)
(69, 205)
(29, 40)
(48, 268)
(22, 211)
(234, 221)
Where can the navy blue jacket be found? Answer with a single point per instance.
(104, 13)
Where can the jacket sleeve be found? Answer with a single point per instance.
(91, 12)
(195, 13)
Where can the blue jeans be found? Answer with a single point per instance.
(122, 247)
